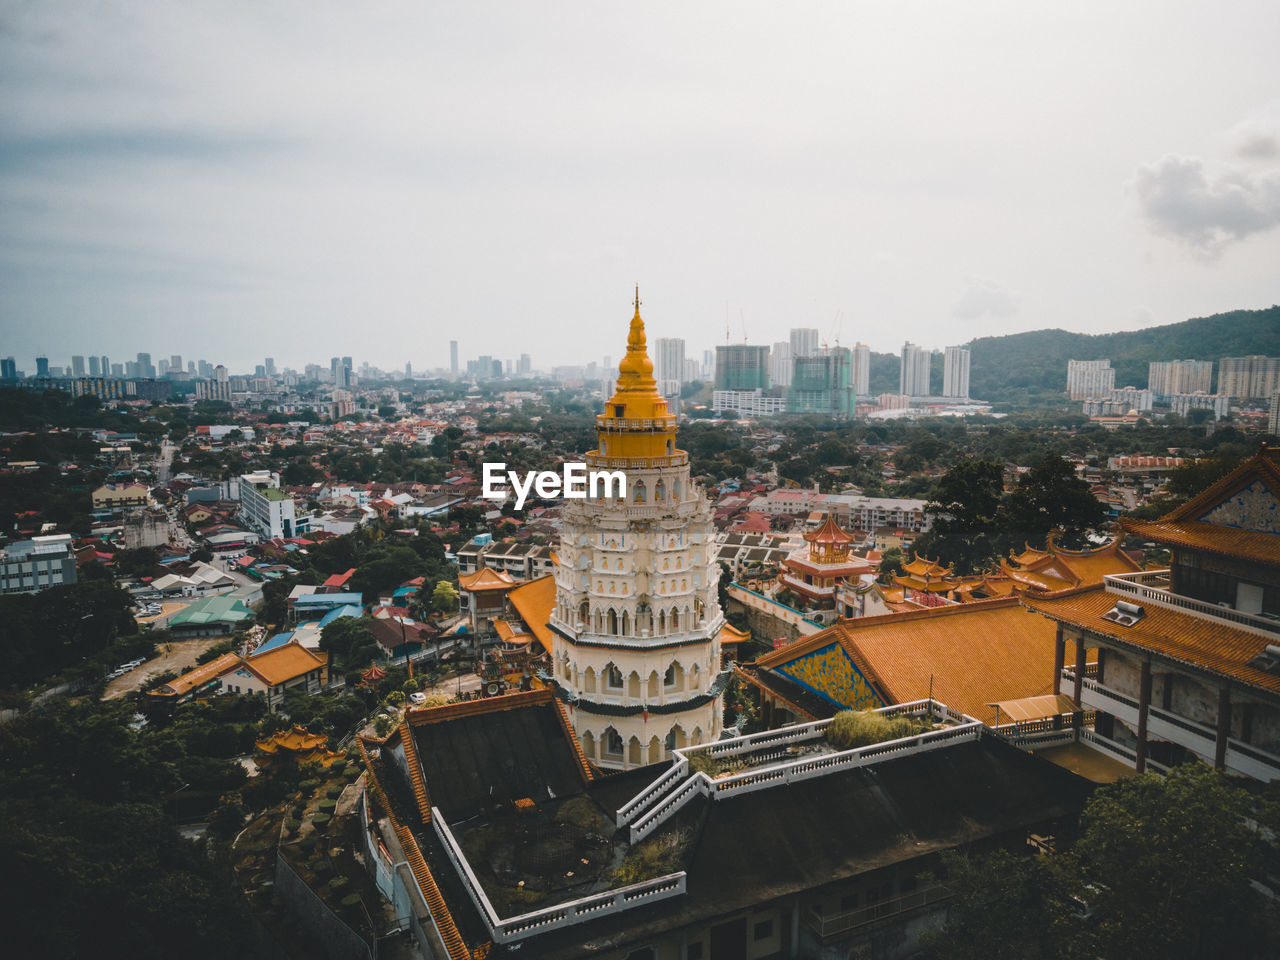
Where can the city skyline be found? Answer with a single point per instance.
(372, 183)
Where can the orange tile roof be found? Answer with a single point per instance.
(285, 662)
(534, 601)
(976, 653)
(198, 677)
(1213, 538)
(1199, 642)
(485, 579)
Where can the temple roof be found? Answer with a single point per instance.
(974, 653)
(1203, 643)
(534, 601)
(1238, 517)
(924, 567)
(485, 579)
(829, 534)
(1060, 569)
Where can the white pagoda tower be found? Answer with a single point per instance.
(637, 652)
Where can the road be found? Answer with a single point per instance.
(164, 461)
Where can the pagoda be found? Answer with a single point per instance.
(636, 616)
(816, 572)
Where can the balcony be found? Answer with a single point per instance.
(1242, 758)
(1152, 586)
(835, 924)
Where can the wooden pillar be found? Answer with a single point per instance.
(1144, 701)
(1059, 658)
(1079, 681)
(1224, 728)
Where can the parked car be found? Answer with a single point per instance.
(417, 698)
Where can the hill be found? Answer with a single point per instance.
(1026, 367)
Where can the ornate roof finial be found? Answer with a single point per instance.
(637, 299)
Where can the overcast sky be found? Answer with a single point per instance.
(301, 179)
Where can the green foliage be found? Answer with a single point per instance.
(444, 598)
(861, 728)
(584, 814)
(1046, 498)
(81, 797)
(655, 857)
(963, 512)
(54, 629)
(1161, 869)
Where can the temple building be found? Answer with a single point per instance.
(820, 572)
(1187, 658)
(636, 617)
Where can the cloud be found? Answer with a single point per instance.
(985, 300)
(1259, 146)
(1179, 200)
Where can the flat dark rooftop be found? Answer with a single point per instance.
(757, 847)
(471, 763)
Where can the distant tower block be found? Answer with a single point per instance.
(636, 610)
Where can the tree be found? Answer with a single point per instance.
(1050, 497)
(1162, 868)
(444, 599)
(964, 510)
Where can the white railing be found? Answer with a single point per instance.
(1162, 724)
(560, 915)
(664, 798)
(1142, 586)
(637, 463)
(605, 422)
(646, 797)
(1122, 753)
(693, 787)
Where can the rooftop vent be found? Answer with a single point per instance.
(1124, 613)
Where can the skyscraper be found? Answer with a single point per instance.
(77, 366)
(955, 372)
(270, 365)
(453, 357)
(526, 365)
(668, 365)
(913, 372)
(1248, 377)
(862, 370)
(146, 369)
(8, 369)
(1090, 379)
(636, 610)
(742, 367)
(42, 367)
(780, 363)
(95, 367)
(105, 365)
(804, 342)
(1165, 378)
(823, 384)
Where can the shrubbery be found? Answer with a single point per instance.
(859, 728)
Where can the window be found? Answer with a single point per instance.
(613, 676)
(669, 678)
(612, 742)
(763, 930)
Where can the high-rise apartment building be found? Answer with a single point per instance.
(636, 612)
(146, 369)
(708, 365)
(105, 364)
(42, 367)
(668, 365)
(742, 367)
(804, 342)
(913, 372)
(77, 366)
(862, 370)
(1167, 377)
(175, 362)
(8, 369)
(95, 367)
(692, 370)
(823, 384)
(1273, 421)
(269, 364)
(780, 363)
(1245, 378)
(453, 357)
(955, 372)
(1090, 379)
(526, 365)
